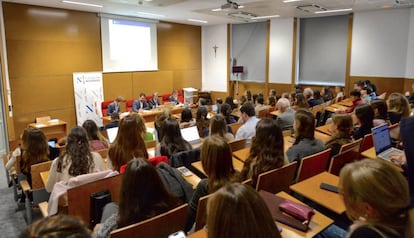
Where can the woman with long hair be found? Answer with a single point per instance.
(342, 130)
(172, 141)
(96, 140)
(143, 195)
(202, 121)
(226, 112)
(266, 151)
(301, 102)
(76, 160)
(380, 112)
(34, 150)
(398, 107)
(129, 143)
(236, 210)
(305, 143)
(377, 200)
(218, 126)
(364, 117)
(216, 159)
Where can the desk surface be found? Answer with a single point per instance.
(50, 123)
(326, 129)
(310, 189)
(370, 153)
(346, 102)
(319, 222)
(275, 113)
(44, 175)
(237, 164)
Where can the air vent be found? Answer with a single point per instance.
(404, 2)
(311, 8)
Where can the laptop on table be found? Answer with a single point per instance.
(191, 135)
(112, 133)
(382, 142)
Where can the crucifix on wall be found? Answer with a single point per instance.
(215, 47)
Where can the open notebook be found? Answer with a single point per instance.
(112, 133)
(191, 135)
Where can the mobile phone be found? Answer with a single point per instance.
(329, 187)
(178, 234)
(184, 171)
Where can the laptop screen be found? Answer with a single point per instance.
(112, 133)
(381, 138)
(190, 134)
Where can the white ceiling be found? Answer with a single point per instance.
(181, 10)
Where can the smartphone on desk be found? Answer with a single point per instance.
(178, 234)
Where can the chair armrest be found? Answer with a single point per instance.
(25, 186)
(43, 208)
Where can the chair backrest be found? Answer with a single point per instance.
(157, 227)
(150, 144)
(237, 144)
(35, 170)
(366, 143)
(79, 197)
(313, 164)
(235, 127)
(201, 217)
(354, 145)
(341, 159)
(42, 119)
(277, 180)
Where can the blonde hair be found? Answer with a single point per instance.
(398, 103)
(384, 189)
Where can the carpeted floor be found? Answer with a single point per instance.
(11, 222)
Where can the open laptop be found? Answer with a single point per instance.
(112, 133)
(382, 142)
(191, 135)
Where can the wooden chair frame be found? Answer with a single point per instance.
(277, 180)
(323, 158)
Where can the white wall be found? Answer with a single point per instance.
(379, 43)
(280, 52)
(409, 68)
(214, 64)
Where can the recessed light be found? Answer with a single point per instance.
(196, 20)
(287, 1)
(335, 10)
(82, 3)
(151, 14)
(265, 17)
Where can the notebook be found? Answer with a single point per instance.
(112, 132)
(382, 142)
(191, 135)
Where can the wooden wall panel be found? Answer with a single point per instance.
(149, 82)
(188, 78)
(408, 85)
(214, 95)
(280, 88)
(117, 84)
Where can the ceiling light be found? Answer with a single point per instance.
(196, 20)
(265, 17)
(82, 3)
(287, 1)
(336, 10)
(151, 14)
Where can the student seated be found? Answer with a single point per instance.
(249, 120)
(364, 119)
(355, 96)
(380, 112)
(236, 210)
(172, 140)
(129, 143)
(57, 226)
(154, 102)
(216, 159)
(342, 130)
(202, 121)
(142, 196)
(96, 140)
(187, 119)
(174, 97)
(305, 143)
(287, 115)
(398, 107)
(218, 126)
(140, 104)
(76, 160)
(266, 151)
(114, 106)
(226, 111)
(376, 197)
(114, 121)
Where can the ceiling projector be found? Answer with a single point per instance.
(230, 5)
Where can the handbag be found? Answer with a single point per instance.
(98, 201)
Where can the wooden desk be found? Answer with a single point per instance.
(371, 154)
(326, 129)
(237, 164)
(236, 113)
(52, 129)
(310, 189)
(335, 107)
(242, 154)
(319, 223)
(149, 116)
(346, 102)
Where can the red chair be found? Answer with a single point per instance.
(129, 104)
(313, 164)
(341, 159)
(366, 143)
(104, 106)
(354, 145)
(277, 180)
